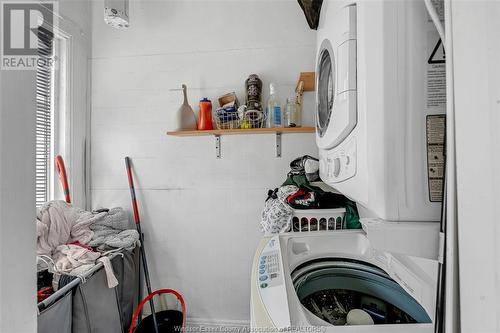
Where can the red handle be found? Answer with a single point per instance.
(159, 292)
(61, 170)
(132, 190)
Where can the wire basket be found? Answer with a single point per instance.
(253, 119)
(225, 119)
(318, 220)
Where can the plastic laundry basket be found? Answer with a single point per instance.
(318, 219)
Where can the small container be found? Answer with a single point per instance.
(205, 117)
(293, 114)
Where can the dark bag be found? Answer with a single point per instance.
(311, 9)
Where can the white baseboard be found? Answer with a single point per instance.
(204, 325)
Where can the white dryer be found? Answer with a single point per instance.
(311, 281)
(380, 107)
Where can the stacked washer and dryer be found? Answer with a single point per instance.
(380, 134)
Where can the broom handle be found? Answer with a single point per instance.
(61, 170)
(138, 227)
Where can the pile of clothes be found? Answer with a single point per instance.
(71, 241)
(297, 192)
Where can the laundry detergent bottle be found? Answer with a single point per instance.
(205, 117)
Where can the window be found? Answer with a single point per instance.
(44, 118)
(62, 112)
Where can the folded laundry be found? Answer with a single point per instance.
(59, 223)
(106, 238)
(114, 230)
(114, 218)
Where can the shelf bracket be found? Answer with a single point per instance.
(217, 146)
(278, 144)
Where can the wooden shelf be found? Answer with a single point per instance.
(241, 131)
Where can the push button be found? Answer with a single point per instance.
(263, 278)
(262, 271)
(263, 285)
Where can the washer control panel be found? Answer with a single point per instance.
(269, 269)
(271, 284)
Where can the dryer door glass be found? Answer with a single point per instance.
(326, 88)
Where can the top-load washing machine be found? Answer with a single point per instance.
(320, 281)
(381, 98)
(380, 128)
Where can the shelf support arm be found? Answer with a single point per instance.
(278, 144)
(217, 146)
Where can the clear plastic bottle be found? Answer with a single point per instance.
(274, 111)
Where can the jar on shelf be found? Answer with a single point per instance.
(293, 113)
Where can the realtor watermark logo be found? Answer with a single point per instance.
(27, 30)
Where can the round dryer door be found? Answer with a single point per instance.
(326, 86)
(336, 95)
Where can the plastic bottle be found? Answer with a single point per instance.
(205, 117)
(274, 111)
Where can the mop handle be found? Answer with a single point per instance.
(141, 238)
(61, 170)
(132, 191)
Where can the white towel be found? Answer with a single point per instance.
(76, 260)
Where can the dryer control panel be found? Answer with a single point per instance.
(271, 282)
(338, 164)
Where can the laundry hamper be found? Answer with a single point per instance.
(89, 305)
(126, 268)
(304, 220)
(96, 307)
(99, 309)
(57, 317)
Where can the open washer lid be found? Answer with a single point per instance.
(416, 275)
(331, 288)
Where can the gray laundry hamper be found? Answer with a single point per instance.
(56, 317)
(96, 307)
(126, 268)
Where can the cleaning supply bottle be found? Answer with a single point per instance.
(274, 113)
(205, 117)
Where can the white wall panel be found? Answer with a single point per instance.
(201, 214)
(476, 50)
